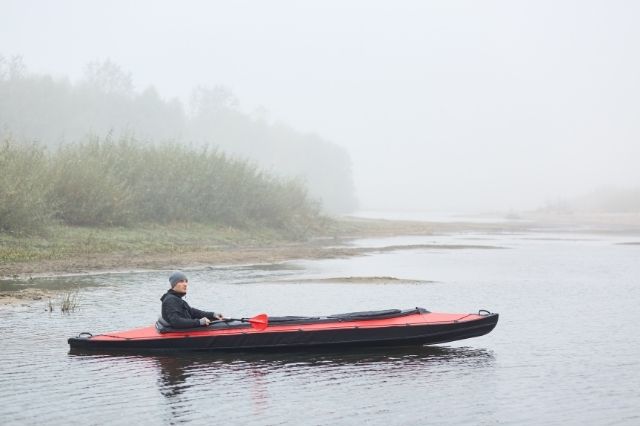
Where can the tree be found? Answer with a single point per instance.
(109, 78)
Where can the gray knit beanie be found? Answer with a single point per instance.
(176, 277)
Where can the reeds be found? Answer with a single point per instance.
(68, 301)
(24, 187)
(105, 183)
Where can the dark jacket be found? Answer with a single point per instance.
(177, 312)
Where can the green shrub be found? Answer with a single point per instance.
(89, 187)
(107, 183)
(116, 183)
(24, 186)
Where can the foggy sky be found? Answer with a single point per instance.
(448, 105)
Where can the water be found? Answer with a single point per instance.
(566, 349)
(436, 216)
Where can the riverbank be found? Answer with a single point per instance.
(77, 251)
(66, 250)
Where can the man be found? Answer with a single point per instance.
(177, 312)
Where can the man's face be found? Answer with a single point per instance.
(181, 286)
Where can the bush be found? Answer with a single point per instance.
(117, 183)
(107, 183)
(89, 187)
(24, 186)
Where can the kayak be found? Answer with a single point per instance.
(372, 328)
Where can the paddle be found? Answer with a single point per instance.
(259, 322)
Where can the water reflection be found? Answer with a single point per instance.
(175, 372)
(182, 379)
(173, 376)
(260, 379)
(274, 359)
(345, 356)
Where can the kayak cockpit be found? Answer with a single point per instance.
(164, 327)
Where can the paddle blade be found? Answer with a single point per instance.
(259, 322)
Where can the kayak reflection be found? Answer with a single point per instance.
(254, 385)
(175, 370)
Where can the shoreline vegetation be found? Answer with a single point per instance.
(109, 183)
(104, 101)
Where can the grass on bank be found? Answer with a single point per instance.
(61, 242)
(68, 242)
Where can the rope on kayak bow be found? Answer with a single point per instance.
(484, 312)
(84, 334)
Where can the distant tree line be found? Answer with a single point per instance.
(124, 182)
(55, 111)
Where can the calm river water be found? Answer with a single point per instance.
(566, 349)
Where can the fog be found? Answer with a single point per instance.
(443, 106)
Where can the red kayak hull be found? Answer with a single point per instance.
(411, 327)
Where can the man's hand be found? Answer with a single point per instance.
(204, 321)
